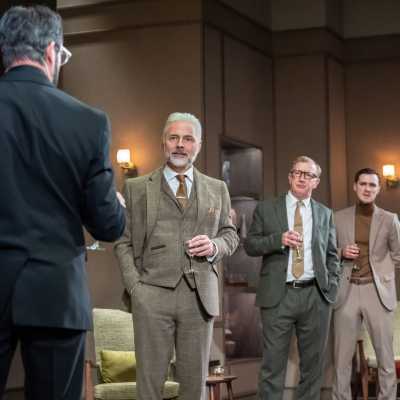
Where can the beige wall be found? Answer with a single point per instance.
(373, 124)
(370, 17)
(301, 117)
(337, 134)
(249, 102)
(297, 14)
(257, 10)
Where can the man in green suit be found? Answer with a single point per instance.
(178, 228)
(296, 237)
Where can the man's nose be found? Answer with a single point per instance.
(180, 142)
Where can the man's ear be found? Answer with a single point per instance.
(316, 183)
(50, 54)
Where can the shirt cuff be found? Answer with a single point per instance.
(210, 259)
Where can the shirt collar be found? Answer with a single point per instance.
(170, 174)
(292, 200)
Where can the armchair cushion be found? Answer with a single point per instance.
(127, 391)
(118, 366)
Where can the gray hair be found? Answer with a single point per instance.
(25, 33)
(177, 116)
(305, 159)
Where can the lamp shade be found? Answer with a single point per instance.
(123, 156)
(388, 170)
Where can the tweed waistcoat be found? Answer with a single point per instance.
(164, 257)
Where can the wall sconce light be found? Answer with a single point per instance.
(124, 161)
(389, 172)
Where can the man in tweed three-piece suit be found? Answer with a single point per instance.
(178, 228)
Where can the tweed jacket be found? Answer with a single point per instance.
(142, 196)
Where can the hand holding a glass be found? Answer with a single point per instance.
(200, 246)
(351, 251)
(294, 240)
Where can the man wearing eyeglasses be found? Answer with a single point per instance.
(296, 237)
(369, 247)
(56, 176)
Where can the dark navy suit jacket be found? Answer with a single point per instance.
(55, 177)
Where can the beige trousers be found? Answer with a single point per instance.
(363, 305)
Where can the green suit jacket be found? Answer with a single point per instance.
(265, 239)
(142, 196)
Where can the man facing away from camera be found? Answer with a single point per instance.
(296, 237)
(369, 246)
(56, 176)
(178, 228)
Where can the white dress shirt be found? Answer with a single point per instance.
(173, 183)
(306, 214)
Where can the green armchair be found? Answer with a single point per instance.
(113, 330)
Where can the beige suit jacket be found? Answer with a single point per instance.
(384, 252)
(142, 196)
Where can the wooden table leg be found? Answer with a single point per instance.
(211, 392)
(230, 391)
(217, 394)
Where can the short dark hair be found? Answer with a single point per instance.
(25, 32)
(366, 171)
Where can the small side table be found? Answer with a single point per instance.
(213, 383)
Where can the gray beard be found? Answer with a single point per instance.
(176, 162)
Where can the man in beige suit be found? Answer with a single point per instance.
(369, 243)
(178, 228)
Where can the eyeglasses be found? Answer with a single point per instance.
(297, 173)
(65, 55)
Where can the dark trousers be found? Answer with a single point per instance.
(305, 312)
(53, 360)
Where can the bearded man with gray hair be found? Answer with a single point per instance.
(56, 176)
(178, 228)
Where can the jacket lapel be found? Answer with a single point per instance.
(375, 225)
(202, 208)
(315, 211)
(153, 196)
(351, 225)
(281, 212)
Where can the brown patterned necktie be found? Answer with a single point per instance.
(298, 253)
(181, 194)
